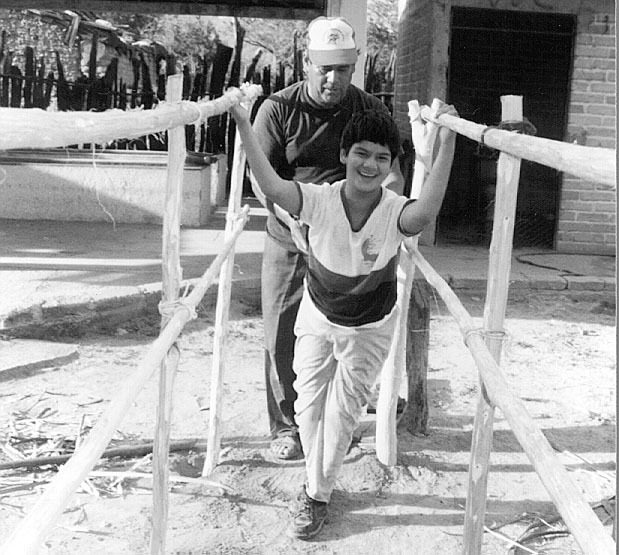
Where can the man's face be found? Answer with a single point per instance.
(327, 85)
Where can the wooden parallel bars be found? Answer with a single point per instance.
(28, 536)
(47, 129)
(577, 514)
(44, 131)
(589, 163)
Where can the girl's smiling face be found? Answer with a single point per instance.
(367, 166)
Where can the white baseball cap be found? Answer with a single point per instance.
(331, 41)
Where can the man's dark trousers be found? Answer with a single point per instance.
(283, 272)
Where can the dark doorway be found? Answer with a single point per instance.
(494, 53)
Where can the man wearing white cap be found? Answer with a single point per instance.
(299, 130)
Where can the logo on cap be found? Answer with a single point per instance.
(334, 36)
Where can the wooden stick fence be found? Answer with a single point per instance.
(577, 514)
(30, 532)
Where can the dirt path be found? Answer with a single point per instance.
(560, 358)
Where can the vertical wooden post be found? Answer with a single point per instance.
(423, 136)
(415, 421)
(171, 280)
(221, 314)
(508, 173)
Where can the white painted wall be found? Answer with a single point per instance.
(126, 193)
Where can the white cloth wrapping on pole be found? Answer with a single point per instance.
(36, 128)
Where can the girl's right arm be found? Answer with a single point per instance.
(280, 191)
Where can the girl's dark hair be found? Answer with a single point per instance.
(374, 126)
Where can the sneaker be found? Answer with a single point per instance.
(309, 518)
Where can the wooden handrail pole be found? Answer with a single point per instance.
(508, 173)
(221, 315)
(595, 164)
(30, 532)
(171, 280)
(36, 128)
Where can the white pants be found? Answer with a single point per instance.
(336, 367)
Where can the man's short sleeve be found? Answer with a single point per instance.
(269, 128)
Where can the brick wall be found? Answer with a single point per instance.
(412, 64)
(587, 215)
(414, 70)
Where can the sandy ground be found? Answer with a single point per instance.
(559, 358)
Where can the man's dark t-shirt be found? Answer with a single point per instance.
(302, 141)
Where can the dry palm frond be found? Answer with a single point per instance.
(551, 536)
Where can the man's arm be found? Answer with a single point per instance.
(267, 126)
(282, 192)
(419, 214)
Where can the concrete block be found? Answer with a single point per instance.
(585, 283)
(556, 284)
(519, 284)
(467, 283)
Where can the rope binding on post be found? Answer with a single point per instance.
(168, 308)
(524, 127)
